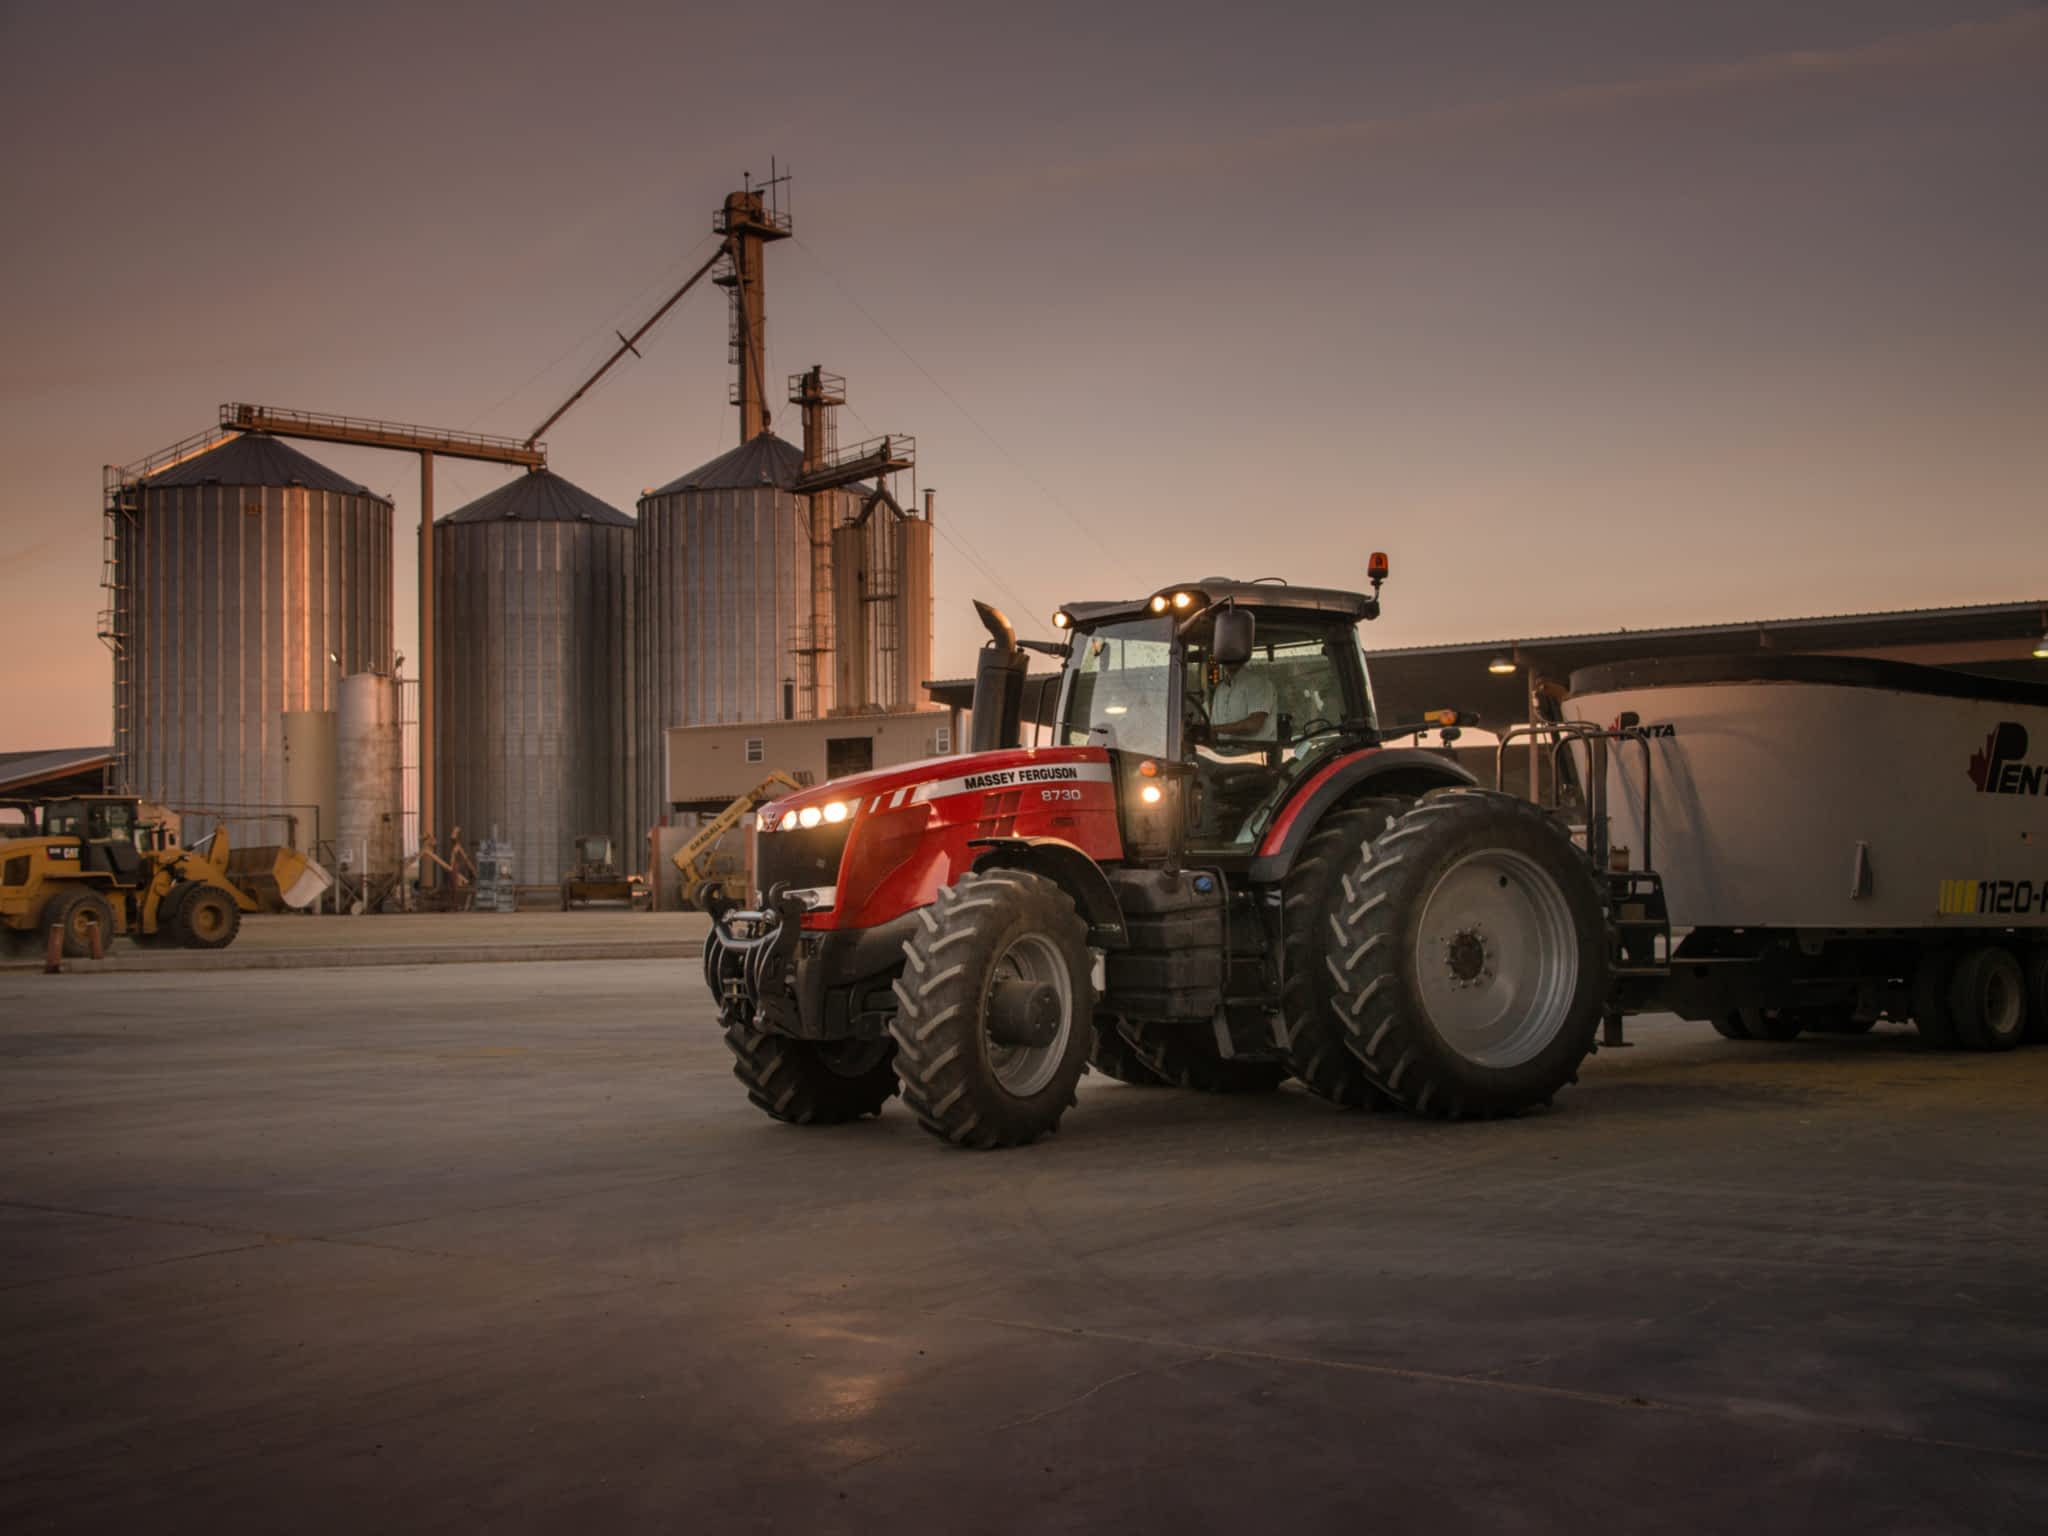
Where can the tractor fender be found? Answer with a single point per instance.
(1372, 771)
(1067, 867)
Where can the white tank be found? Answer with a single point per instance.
(309, 760)
(369, 761)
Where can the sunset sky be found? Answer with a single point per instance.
(1593, 314)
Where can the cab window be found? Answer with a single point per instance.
(1117, 688)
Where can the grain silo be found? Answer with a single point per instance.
(723, 581)
(881, 606)
(533, 605)
(246, 581)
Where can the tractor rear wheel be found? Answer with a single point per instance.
(1185, 1056)
(1310, 992)
(1472, 947)
(207, 918)
(1987, 999)
(996, 1008)
(75, 912)
(813, 1082)
(1111, 1055)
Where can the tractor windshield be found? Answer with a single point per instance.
(1116, 689)
(1256, 729)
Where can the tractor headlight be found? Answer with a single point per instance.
(1151, 794)
(1159, 604)
(809, 816)
(788, 822)
(836, 811)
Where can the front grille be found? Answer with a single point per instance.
(803, 857)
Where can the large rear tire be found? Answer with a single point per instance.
(813, 1082)
(1002, 953)
(1310, 990)
(1471, 942)
(1185, 1056)
(74, 913)
(1987, 999)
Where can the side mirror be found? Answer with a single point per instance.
(1231, 646)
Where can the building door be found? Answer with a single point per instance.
(848, 754)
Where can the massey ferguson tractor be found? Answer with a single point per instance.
(1218, 875)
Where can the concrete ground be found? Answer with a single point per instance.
(479, 1247)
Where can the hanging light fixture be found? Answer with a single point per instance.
(1501, 666)
(2041, 648)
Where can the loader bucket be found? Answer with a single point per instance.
(300, 881)
(272, 877)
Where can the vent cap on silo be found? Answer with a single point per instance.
(254, 459)
(539, 497)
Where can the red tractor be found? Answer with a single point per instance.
(1218, 876)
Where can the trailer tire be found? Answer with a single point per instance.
(1728, 1025)
(1112, 1055)
(1310, 989)
(1777, 1025)
(1987, 999)
(207, 918)
(1184, 1056)
(993, 927)
(74, 912)
(1419, 964)
(1931, 1016)
(812, 1082)
(2037, 993)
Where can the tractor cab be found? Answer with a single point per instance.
(1216, 699)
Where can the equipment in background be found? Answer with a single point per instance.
(693, 861)
(596, 877)
(495, 891)
(92, 862)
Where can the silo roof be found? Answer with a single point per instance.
(255, 459)
(540, 497)
(767, 460)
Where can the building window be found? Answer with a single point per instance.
(848, 754)
(757, 750)
(942, 741)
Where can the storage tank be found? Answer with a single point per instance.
(309, 787)
(369, 758)
(882, 608)
(723, 570)
(250, 579)
(534, 735)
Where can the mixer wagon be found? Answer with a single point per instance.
(1831, 840)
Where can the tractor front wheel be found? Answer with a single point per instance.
(1471, 948)
(812, 1082)
(996, 1010)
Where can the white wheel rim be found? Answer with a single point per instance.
(1496, 958)
(1025, 1069)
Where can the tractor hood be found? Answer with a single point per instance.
(934, 779)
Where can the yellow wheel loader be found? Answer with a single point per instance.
(93, 861)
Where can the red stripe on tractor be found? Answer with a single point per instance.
(1276, 835)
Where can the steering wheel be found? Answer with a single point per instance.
(1315, 727)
